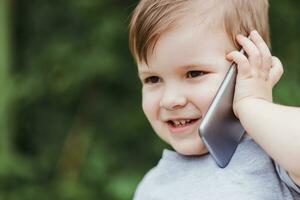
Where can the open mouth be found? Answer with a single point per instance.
(181, 122)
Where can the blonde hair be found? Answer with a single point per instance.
(152, 18)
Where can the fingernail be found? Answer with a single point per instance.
(228, 56)
(239, 36)
(254, 32)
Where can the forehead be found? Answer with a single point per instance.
(188, 44)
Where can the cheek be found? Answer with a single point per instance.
(150, 103)
(204, 93)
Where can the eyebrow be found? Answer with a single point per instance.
(197, 65)
(144, 73)
(186, 66)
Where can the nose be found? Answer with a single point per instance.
(173, 98)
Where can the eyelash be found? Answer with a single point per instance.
(189, 74)
(149, 80)
(198, 73)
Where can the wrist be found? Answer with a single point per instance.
(247, 104)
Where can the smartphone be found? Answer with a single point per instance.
(220, 130)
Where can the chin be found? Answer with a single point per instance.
(191, 150)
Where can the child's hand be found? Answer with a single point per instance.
(257, 74)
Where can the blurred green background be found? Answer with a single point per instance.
(70, 106)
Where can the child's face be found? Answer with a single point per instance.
(180, 81)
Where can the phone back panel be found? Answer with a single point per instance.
(220, 130)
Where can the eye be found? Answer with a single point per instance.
(194, 74)
(152, 80)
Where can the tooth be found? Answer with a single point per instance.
(182, 122)
(176, 123)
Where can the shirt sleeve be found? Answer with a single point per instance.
(283, 175)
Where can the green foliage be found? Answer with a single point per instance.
(77, 128)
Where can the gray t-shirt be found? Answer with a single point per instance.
(251, 175)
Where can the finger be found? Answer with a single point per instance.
(263, 49)
(241, 60)
(276, 70)
(252, 51)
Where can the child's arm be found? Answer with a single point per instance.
(274, 127)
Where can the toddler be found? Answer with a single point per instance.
(183, 50)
